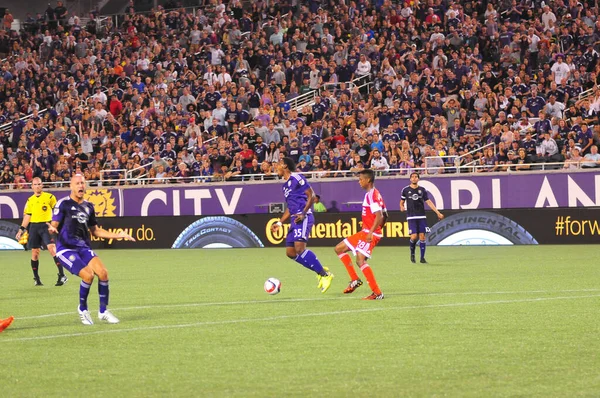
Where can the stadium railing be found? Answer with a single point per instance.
(308, 98)
(7, 127)
(360, 82)
(473, 162)
(447, 171)
(587, 93)
(100, 21)
(129, 173)
(303, 100)
(458, 158)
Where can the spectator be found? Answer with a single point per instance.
(522, 161)
(253, 169)
(573, 162)
(433, 163)
(429, 78)
(318, 206)
(548, 149)
(7, 20)
(272, 153)
(158, 162)
(592, 159)
(379, 162)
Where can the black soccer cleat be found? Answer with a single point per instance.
(423, 261)
(412, 258)
(61, 280)
(38, 282)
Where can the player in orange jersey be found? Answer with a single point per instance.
(374, 215)
(4, 323)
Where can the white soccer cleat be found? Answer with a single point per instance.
(85, 316)
(108, 317)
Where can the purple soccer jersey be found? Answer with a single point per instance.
(294, 191)
(415, 199)
(73, 246)
(74, 221)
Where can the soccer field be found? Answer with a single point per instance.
(476, 321)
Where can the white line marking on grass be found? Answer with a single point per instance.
(281, 317)
(298, 300)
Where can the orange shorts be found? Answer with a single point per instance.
(358, 243)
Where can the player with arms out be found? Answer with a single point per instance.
(300, 197)
(412, 200)
(38, 212)
(362, 243)
(73, 221)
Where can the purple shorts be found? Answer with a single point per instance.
(417, 226)
(299, 232)
(74, 260)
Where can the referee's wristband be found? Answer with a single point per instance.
(22, 228)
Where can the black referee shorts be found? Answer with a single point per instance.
(39, 236)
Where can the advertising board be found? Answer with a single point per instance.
(467, 227)
(497, 191)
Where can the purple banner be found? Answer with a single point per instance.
(498, 191)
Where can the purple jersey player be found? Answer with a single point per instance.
(73, 220)
(299, 197)
(412, 200)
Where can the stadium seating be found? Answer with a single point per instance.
(182, 94)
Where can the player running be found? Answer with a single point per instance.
(362, 243)
(73, 221)
(415, 197)
(38, 212)
(299, 197)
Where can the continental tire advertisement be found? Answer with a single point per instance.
(468, 227)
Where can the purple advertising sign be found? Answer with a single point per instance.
(498, 191)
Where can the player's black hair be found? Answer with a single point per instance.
(368, 173)
(414, 172)
(290, 164)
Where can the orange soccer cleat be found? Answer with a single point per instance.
(352, 286)
(4, 323)
(374, 296)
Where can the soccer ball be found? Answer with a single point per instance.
(272, 286)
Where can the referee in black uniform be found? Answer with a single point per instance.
(38, 212)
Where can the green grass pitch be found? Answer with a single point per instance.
(475, 322)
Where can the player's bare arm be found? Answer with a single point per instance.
(102, 233)
(432, 206)
(24, 225)
(52, 227)
(402, 207)
(284, 218)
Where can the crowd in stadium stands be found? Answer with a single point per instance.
(207, 94)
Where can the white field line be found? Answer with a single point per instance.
(281, 317)
(298, 300)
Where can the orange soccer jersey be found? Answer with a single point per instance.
(372, 203)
